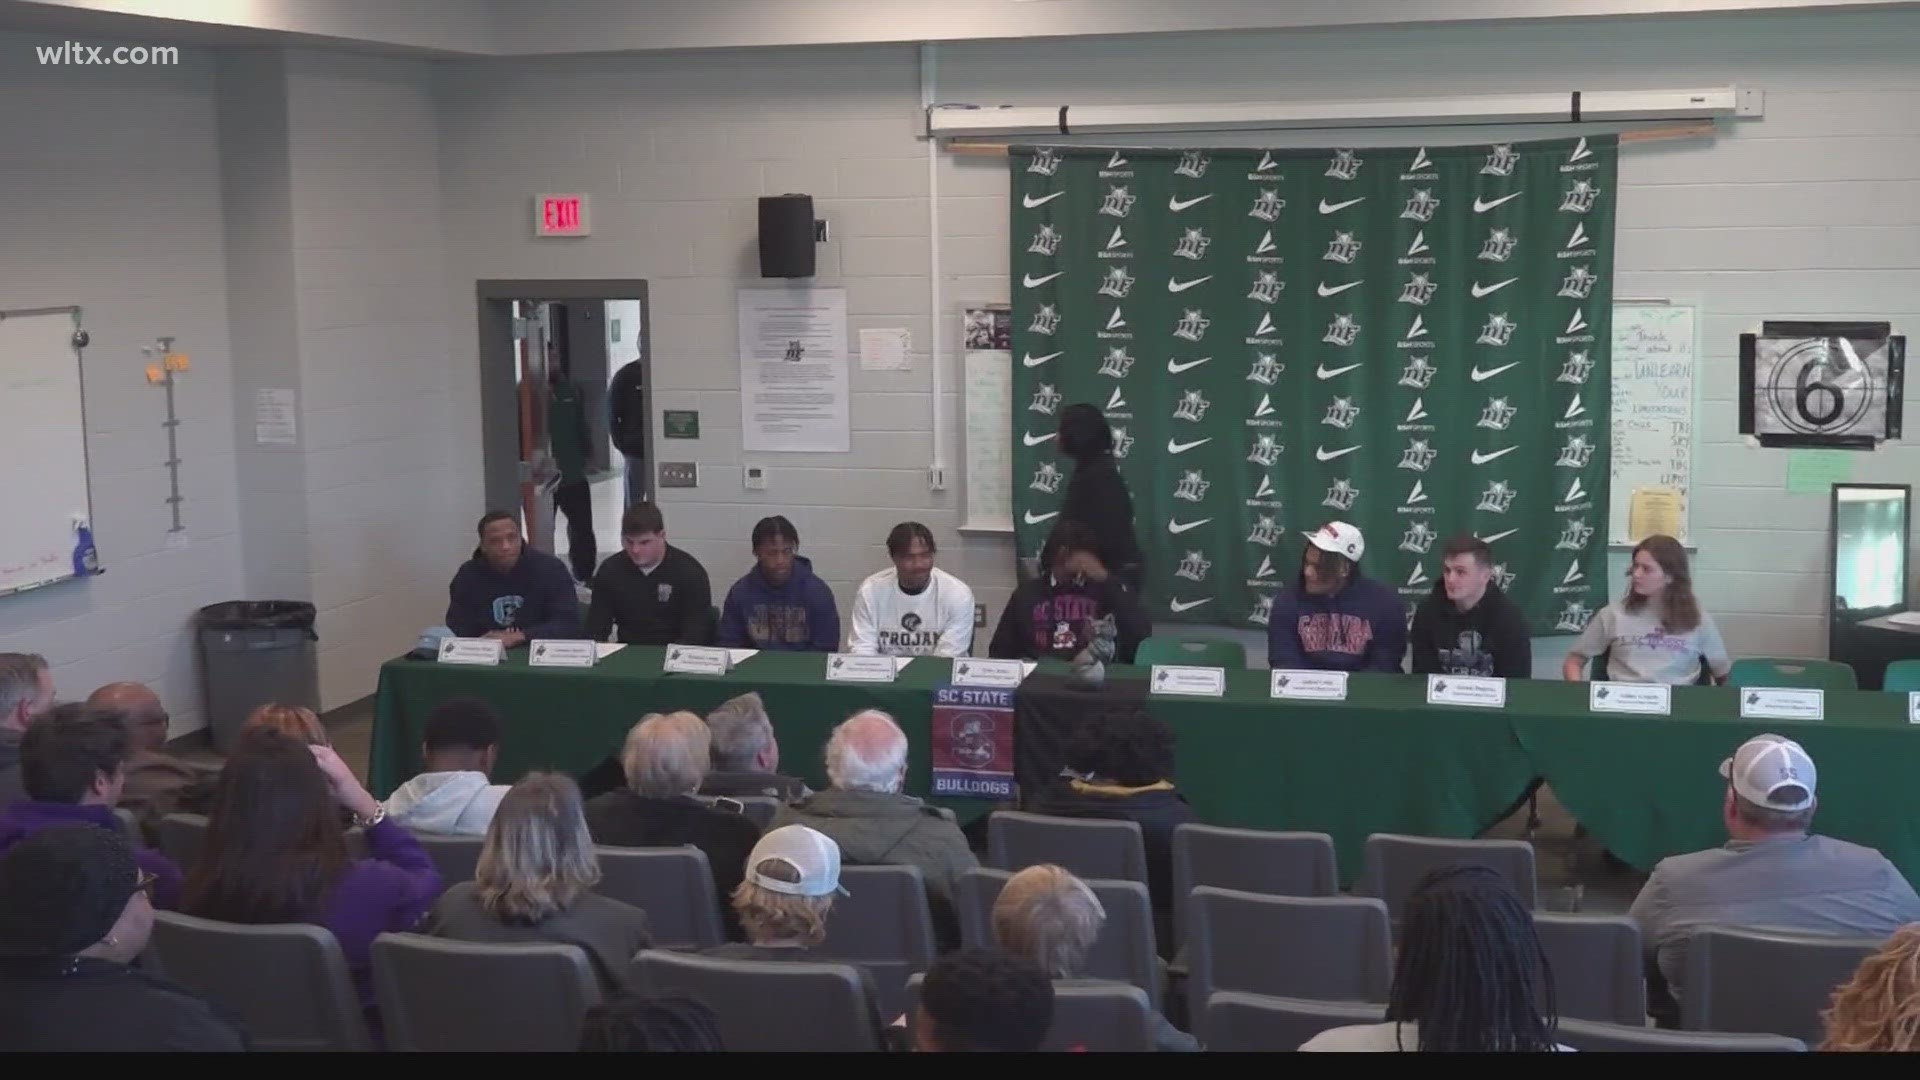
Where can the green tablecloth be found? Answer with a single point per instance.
(1382, 761)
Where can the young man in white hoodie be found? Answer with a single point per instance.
(914, 609)
(454, 795)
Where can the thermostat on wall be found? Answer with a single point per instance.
(755, 477)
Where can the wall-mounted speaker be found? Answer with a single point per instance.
(786, 236)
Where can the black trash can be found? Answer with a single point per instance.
(253, 652)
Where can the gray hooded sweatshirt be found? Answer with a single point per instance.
(446, 802)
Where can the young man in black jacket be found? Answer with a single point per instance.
(1052, 615)
(1468, 626)
(657, 594)
(511, 591)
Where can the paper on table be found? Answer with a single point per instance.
(1654, 511)
(900, 663)
(885, 350)
(1905, 618)
(1026, 667)
(736, 657)
(604, 649)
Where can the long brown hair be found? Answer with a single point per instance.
(274, 848)
(295, 720)
(1879, 1008)
(1679, 611)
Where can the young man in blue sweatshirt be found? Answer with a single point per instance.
(779, 604)
(510, 591)
(1333, 619)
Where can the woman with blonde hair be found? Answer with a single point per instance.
(292, 720)
(534, 883)
(1879, 1008)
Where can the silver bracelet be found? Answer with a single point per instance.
(379, 815)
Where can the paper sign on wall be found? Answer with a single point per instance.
(793, 370)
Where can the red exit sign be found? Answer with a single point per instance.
(560, 215)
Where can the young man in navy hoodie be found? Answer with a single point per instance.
(1333, 619)
(779, 604)
(510, 591)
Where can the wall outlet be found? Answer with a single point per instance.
(979, 616)
(936, 478)
(754, 477)
(679, 474)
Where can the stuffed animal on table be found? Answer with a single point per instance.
(1090, 663)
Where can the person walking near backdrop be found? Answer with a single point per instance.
(1097, 495)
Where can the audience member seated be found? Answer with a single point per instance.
(914, 609)
(1051, 917)
(779, 604)
(746, 756)
(74, 764)
(1052, 614)
(74, 916)
(1656, 633)
(655, 593)
(293, 721)
(632, 1025)
(158, 783)
(511, 591)
(26, 695)
(1878, 1010)
(1333, 617)
(275, 852)
(1467, 625)
(866, 814)
(535, 880)
(1772, 872)
(666, 758)
(1467, 974)
(980, 1000)
(1120, 766)
(454, 795)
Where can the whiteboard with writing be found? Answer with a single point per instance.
(988, 402)
(1654, 352)
(43, 450)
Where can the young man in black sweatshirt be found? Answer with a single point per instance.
(1468, 626)
(1052, 615)
(511, 591)
(656, 594)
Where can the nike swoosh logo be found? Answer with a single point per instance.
(1481, 206)
(1188, 605)
(1481, 459)
(1482, 376)
(1328, 208)
(1028, 438)
(1326, 372)
(1177, 204)
(1323, 290)
(1497, 537)
(1323, 454)
(1031, 360)
(1030, 202)
(1480, 290)
(1178, 527)
(1183, 286)
(1034, 282)
(1175, 367)
(1035, 519)
(1182, 447)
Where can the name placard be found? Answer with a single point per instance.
(695, 660)
(1308, 685)
(472, 650)
(1191, 681)
(563, 653)
(1782, 703)
(1472, 690)
(999, 674)
(844, 668)
(1651, 699)
(1913, 706)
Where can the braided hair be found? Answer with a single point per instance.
(1470, 971)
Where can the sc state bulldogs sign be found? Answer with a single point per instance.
(972, 742)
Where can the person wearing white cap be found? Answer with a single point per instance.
(1772, 872)
(1334, 618)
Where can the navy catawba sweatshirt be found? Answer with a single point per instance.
(1360, 628)
(535, 597)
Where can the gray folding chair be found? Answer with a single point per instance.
(1769, 981)
(672, 885)
(1124, 951)
(288, 983)
(883, 924)
(1395, 864)
(1596, 964)
(1594, 1036)
(455, 856)
(1256, 1022)
(1320, 948)
(1095, 1017)
(770, 1005)
(1250, 860)
(437, 994)
(1089, 847)
(181, 838)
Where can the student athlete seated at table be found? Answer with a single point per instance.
(1468, 626)
(779, 604)
(656, 593)
(1656, 633)
(511, 591)
(1334, 618)
(1052, 614)
(914, 609)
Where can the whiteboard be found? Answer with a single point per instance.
(43, 449)
(988, 401)
(1654, 352)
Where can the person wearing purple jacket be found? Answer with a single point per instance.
(1333, 618)
(73, 765)
(275, 853)
(779, 604)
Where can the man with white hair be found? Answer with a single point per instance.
(26, 695)
(866, 814)
(746, 755)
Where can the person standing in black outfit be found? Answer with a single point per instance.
(571, 438)
(1468, 626)
(1097, 496)
(657, 594)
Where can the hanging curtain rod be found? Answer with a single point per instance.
(1701, 129)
